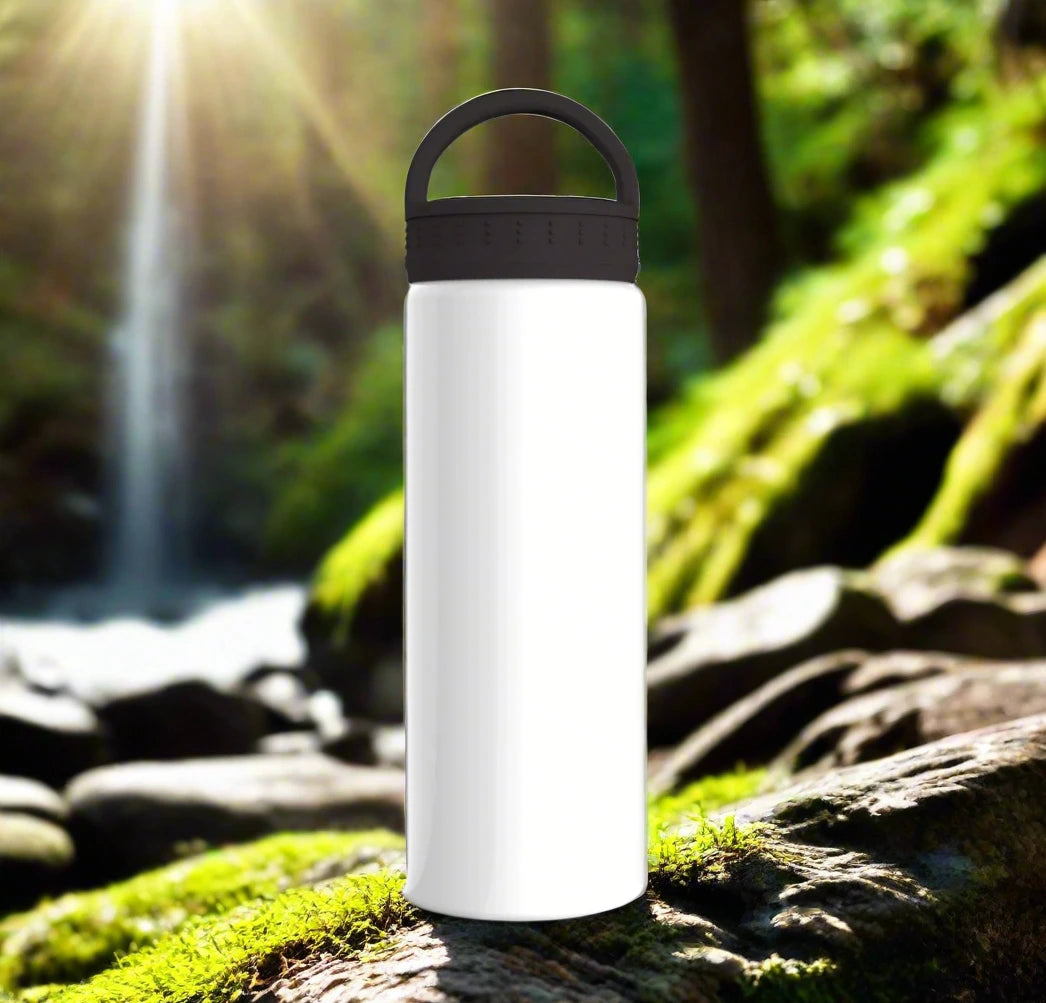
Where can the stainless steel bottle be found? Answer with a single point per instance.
(525, 563)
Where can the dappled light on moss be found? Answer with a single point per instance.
(222, 958)
(81, 933)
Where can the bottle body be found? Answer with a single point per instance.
(525, 596)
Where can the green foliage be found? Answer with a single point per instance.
(81, 933)
(845, 87)
(330, 482)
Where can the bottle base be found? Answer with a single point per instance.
(523, 913)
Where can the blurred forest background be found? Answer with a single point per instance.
(811, 165)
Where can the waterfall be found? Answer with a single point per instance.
(148, 464)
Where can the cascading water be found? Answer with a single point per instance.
(147, 415)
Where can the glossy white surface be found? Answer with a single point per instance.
(525, 597)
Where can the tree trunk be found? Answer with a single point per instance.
(520, 151)
(441, 52)
(737, 222)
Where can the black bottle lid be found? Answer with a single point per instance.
(522, 236)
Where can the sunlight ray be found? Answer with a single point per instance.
(350, 159)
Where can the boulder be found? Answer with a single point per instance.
(50, 738)
(713, 656)
(284, 697)
(358, 742)
(891, 668)
(290, 743)
(353, 623)
(901, 717)
(917, 580)
(35, 854)
(913, 877)
(966, 601)
(29, 797)
(133, 816)
(757, 727)
(181, 721)
(390, 745)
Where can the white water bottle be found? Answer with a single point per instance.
(525, 542)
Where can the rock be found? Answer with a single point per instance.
(130, 817)
(723, 652)
(916, 580)
(181, 721)
(355, 743)
(759, 725)
(913, 877)
(359, 742)
(290, 743)
(353, 623)
(284, 697)
(28, 797)
(34, 856)
(901, 717)
(1004, 628)
(390, 745)
(893, 667)
(47, 738)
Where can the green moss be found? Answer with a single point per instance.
(224, 958)
(681, 861)
(360, 560)
(703, 797)
(844, 351)
(1011, 414)
(789, 980)
(79, 934)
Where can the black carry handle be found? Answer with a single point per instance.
(520, 101)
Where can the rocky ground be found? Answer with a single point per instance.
(887, 847)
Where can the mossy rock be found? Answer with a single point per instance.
(82, 933)
(912, 877)
(862, 421)
(35, 855)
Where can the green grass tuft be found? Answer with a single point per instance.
(79, 934)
